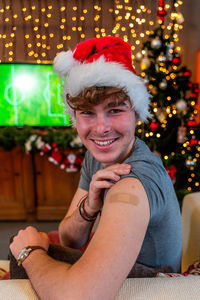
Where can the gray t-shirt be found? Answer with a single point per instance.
(162, 244)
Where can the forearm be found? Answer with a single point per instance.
(44, 272)
(74, 231)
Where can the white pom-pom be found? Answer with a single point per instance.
(64, 62)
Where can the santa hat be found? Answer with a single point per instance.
(104, 61)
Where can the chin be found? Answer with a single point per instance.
(106, 161)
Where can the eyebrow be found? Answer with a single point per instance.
(115, 104)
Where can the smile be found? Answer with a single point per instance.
(104, 143)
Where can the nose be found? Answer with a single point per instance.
(102, 124)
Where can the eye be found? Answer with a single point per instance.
(115, 111)
(86, 112)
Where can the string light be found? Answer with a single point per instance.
(128, 24)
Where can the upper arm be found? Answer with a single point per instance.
(116, 244)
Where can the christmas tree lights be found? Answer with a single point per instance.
(173, 132)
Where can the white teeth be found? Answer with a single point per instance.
(101, 143)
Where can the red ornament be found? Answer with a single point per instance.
(191, 123)
(171, 170)
(187, 73)
(176, 60)
(54, 145)
(193, 141)
(161, 13)
(154, 126)
(195, 89)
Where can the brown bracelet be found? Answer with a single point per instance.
(24, 253)
(84, 214)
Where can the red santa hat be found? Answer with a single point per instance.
(104, 61)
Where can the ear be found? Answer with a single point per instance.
(136, 118)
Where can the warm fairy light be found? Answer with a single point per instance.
(127, 17)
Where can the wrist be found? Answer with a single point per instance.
(86, 213)
(90, 211)
(33, 257)
(28, 252)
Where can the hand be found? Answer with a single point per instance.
(28, 237)
(101, 181)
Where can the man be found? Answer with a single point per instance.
(120, 179)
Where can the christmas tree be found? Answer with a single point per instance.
(173, 132)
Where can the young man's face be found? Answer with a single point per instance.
(107, 130)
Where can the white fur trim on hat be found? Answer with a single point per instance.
(64, 62)
(102, 73)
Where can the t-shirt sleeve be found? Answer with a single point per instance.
(154, 179)
(85, 178)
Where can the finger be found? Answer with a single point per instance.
(101, 185)
(105, 174)
(110, 174)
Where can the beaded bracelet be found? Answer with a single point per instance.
(84, 214)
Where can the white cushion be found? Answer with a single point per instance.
(183, 288)
(19, 289)
(191, 230)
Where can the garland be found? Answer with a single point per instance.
(50, 142)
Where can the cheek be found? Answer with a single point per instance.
(82, 127)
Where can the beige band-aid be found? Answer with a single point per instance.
(124, 198)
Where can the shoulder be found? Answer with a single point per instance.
(149, 169)
(129, 192)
